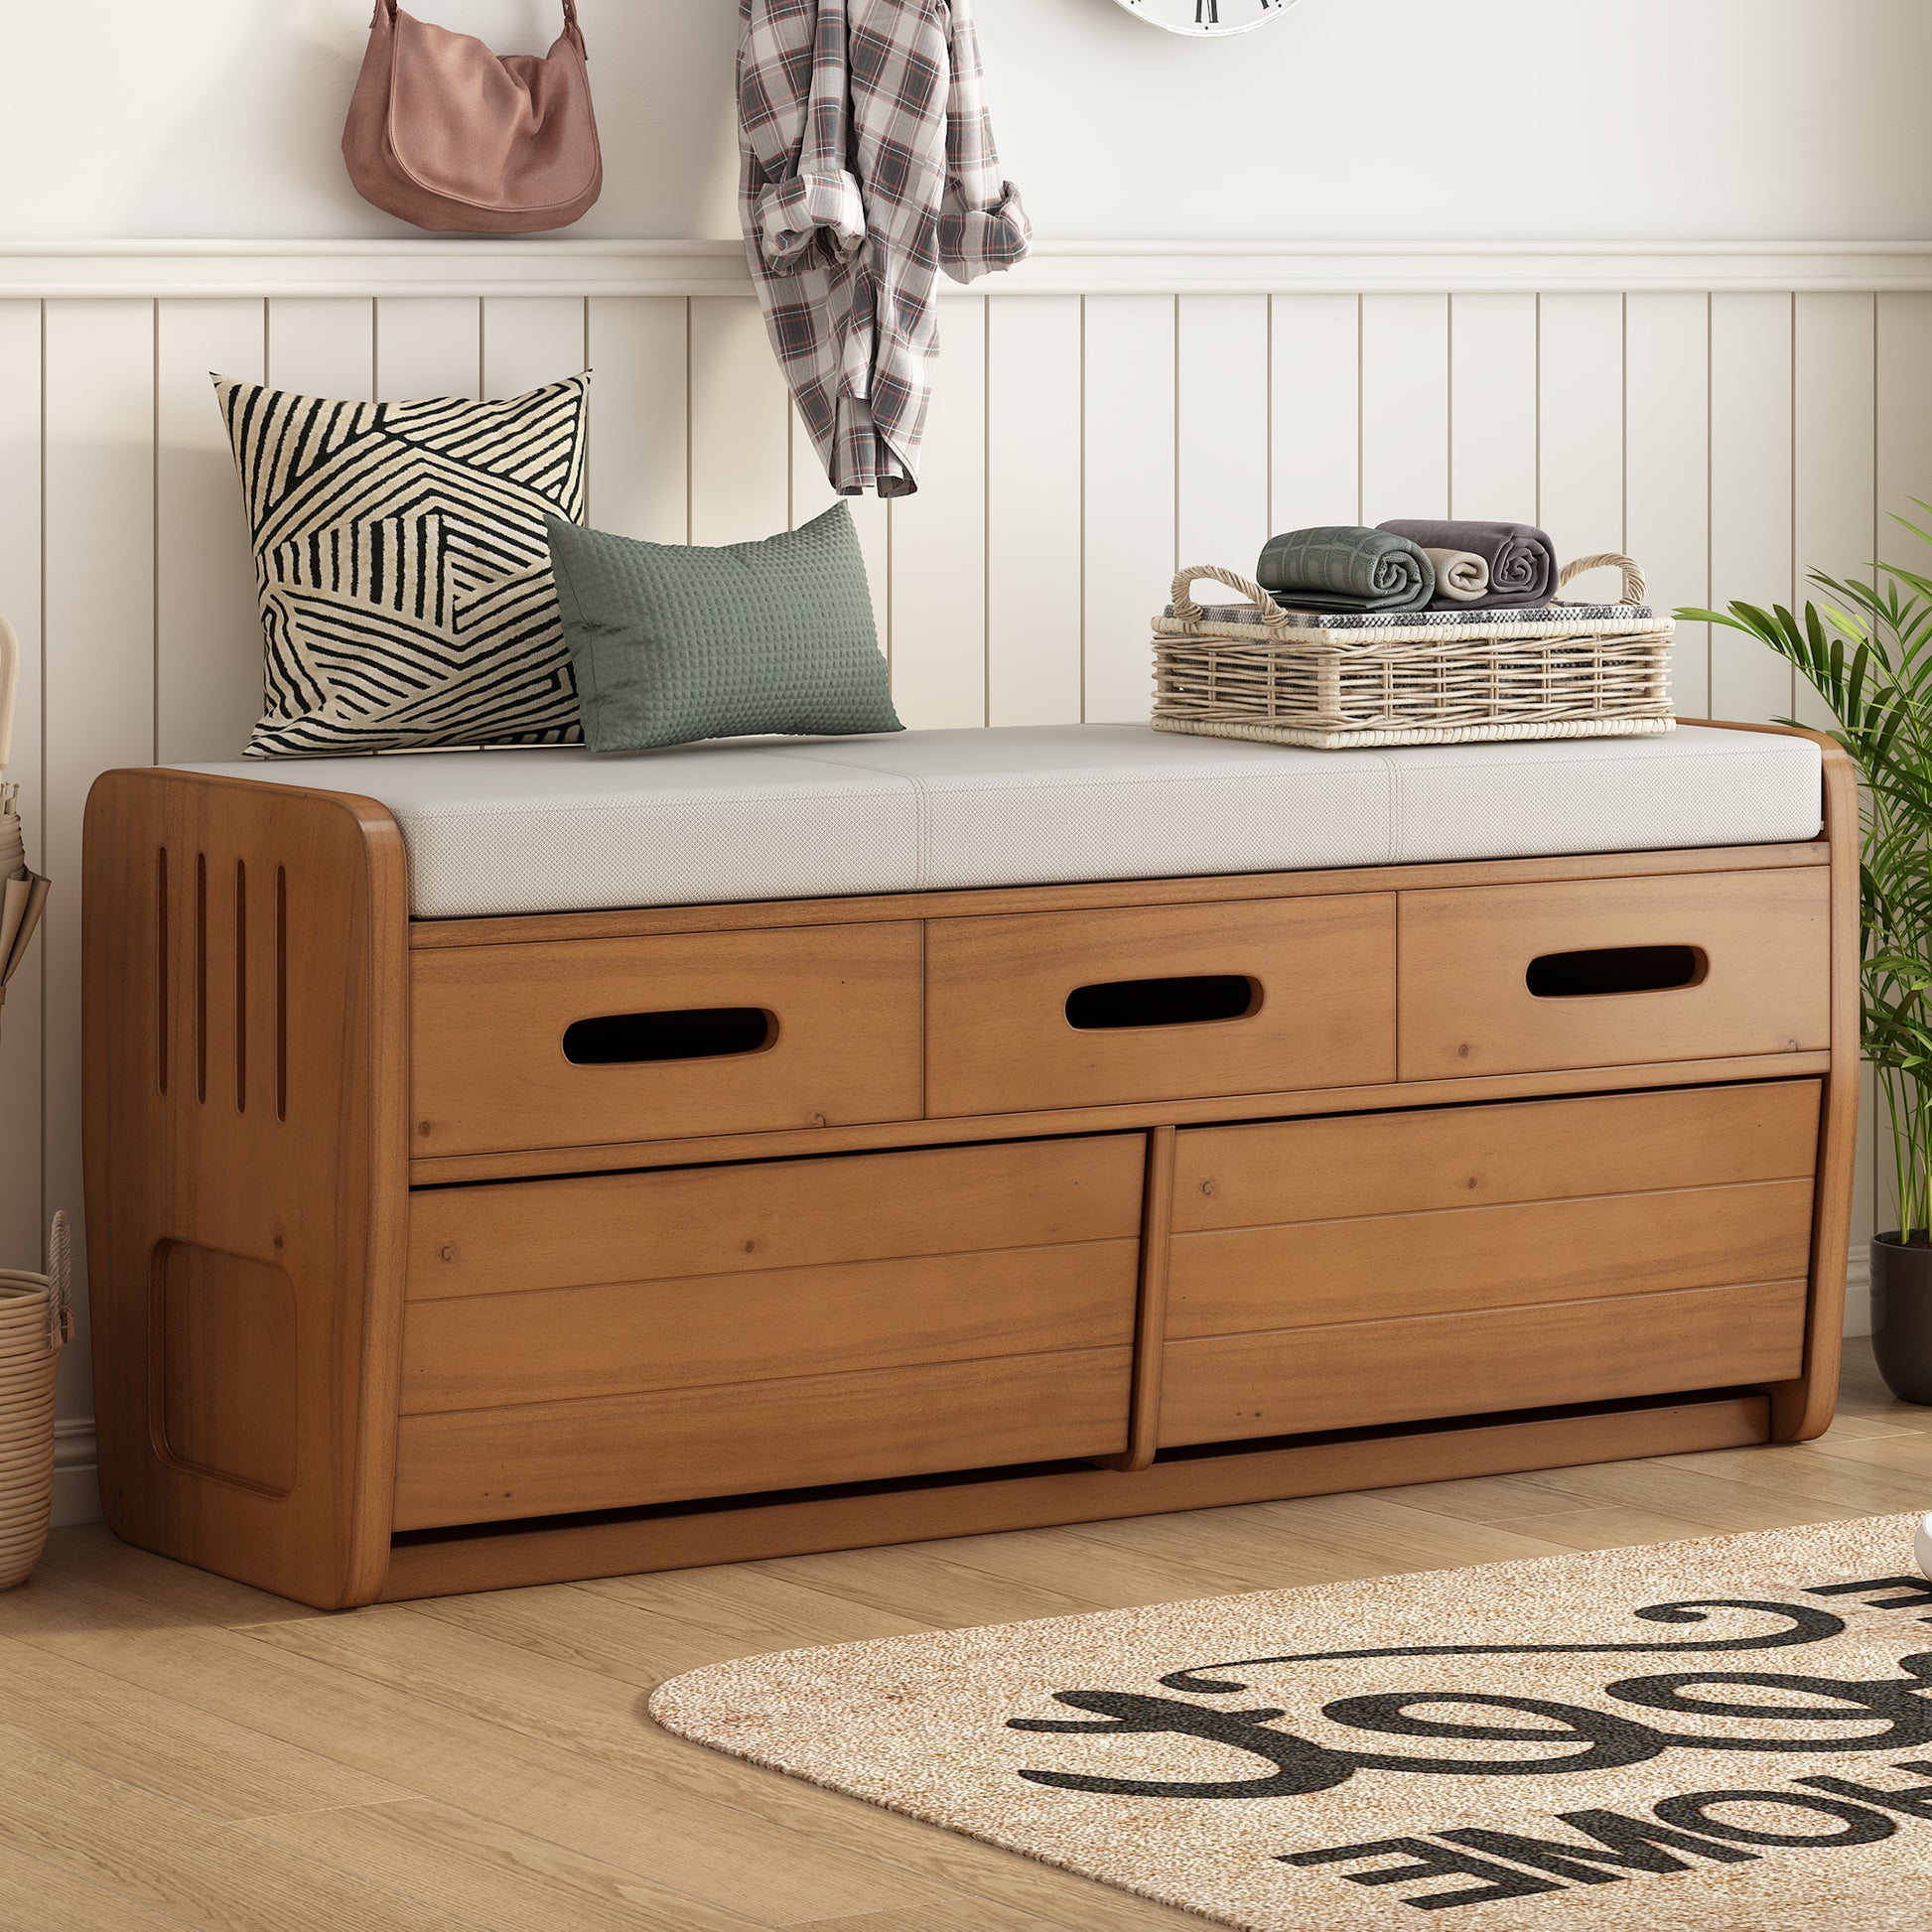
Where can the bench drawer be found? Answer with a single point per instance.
(1161, 1003)
(621, 1338)
(577, 1042)
(1412, 1162)
(1525, 978)
(1361, 1374)
(1340, 1274)
(639, 1338)
(481, 1466)
(1242, 1280)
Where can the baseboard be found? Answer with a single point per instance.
(1857, 1293)
(77, 1488)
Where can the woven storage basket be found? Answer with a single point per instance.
(36, 1319)
(1414, 677)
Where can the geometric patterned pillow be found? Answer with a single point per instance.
(404, 571)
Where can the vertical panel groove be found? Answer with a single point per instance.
(281, 993)
(154, 532)
(1361, 407)
(1538, 392)
(1623, 431)
(241, 986)
(690, 436)
(1080, 541)
(986, 515)
(45, 1216)
(162, 1016)
(200, 976)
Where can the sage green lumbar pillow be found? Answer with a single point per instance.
(674, 642)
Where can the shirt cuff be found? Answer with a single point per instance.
(977, 241)
(811, 222)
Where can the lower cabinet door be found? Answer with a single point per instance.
(1356, 1271)
(629, 1339)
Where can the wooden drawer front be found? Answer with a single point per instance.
(522, 1235)
(1466, 1007)
(622, 1337)
(488, 1071)
(1235, 1281)
(1468, 1157)
(998, 1039)
(639, 1339)
(1362, 1374)
(492, 1465)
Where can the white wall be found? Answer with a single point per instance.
(1363, 119)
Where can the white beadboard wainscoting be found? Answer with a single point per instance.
(1732, 416)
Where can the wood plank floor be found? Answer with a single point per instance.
(179, 1751)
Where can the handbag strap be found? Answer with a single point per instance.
(569, 17)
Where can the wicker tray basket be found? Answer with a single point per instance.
(1419, 677)
(36, 1319)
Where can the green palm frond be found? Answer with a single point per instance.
(1865, 648)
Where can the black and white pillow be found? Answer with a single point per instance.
(404, 569)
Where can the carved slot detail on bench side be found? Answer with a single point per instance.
(1192, 1001)
(1616, 969)
(241, 986)
(163, 1016)
(689, 1033)
(200, 977)
(281, 993)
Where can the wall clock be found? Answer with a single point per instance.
(1208, 16)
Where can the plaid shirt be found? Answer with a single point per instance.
(868, 165)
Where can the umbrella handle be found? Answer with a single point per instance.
(9, 686)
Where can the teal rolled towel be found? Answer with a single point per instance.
(1344, 567)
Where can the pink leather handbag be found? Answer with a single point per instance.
(448, 135)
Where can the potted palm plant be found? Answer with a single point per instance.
(1869, 655)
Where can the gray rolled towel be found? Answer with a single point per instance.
(1522, 560)
(1344, 567)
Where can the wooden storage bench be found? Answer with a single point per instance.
(433, 1250)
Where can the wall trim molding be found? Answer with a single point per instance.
(1857, 1290)
(76, 1486)
(79, 270)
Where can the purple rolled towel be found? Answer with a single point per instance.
(1522, 560)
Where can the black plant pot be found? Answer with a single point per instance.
(1901, 1317)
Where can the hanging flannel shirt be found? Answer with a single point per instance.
(868, 164)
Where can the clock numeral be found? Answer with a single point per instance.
(1207, 12)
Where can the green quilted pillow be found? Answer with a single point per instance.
(675, 643)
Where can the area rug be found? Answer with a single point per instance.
(1733, 1735)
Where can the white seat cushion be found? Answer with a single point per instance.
(564, 830)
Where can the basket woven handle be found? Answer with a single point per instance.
(60, 1285)
(1188, 612)
(1635, 589)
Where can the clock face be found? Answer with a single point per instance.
(1204, 17)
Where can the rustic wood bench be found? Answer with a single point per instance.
(435, 1251)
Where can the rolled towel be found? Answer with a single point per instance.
(1522, 560)
(1344, 567)
(1461, 576)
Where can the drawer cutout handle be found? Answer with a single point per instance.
(692, 1033)
(1616, 969)
(1193, 1001)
